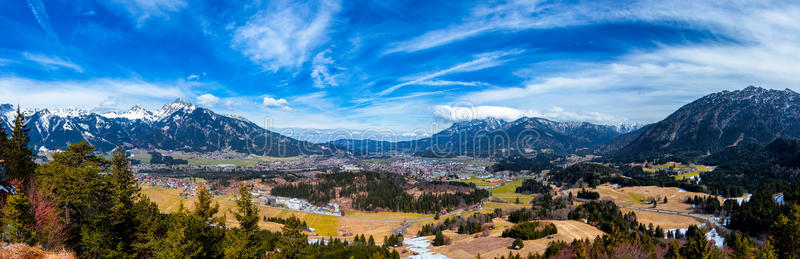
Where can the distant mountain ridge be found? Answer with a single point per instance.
(495, 137)
(717, 121)
(178, 125)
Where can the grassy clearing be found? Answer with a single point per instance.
(386, 215)
(166, 198)
(686, 175)
(477, 182)
(323, 225)
(507, 192)
(636, 197)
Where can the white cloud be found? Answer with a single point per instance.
(108, 103)
(449, 83)
(286, 33)
(276, 103)
(760, 48)
(193, 77)
(468, 113)
(520, 15)
(208, 100)
(320, 70)
(142, 10)
(50, 62)
(40, 13)
(85, 94)
(479, 62)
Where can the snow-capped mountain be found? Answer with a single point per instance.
(178, 125)
(135, 113)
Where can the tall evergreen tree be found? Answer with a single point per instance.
(767, 252)
(3, 141)
(151, 227)
(741, 246)
(243, 241)
(75, 183)
(294, 240)
(179, 241)
(19, 157)
(438, 240)
(696, 244)
(786, 233)
(18, 219)
(210, 232)
(123, 192)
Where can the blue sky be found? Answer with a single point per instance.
(407, 66)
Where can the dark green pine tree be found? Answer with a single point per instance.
(19, 158)
(243, 242)
(3, 141)
(124, 190)
(179, 241)
(439, 239)
(209, 233)
(18, 219)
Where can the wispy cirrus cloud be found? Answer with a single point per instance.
(321, 70)
(51, 62)
(479, 62)
(520, 15)
(142, 10)
(40, 13)
(286, 33)
(759, 49)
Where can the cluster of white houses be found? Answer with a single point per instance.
(331, 209)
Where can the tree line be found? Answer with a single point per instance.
(372, 191)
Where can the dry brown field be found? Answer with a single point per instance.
(632, 196)
(666, 221)
(494, 246)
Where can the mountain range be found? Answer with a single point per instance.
(698, 129)
(716, 121)
(495, 138)
(178, 125)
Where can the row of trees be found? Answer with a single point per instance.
(590, 195)
(463, 225)
(377, 191)
(530, 186)
(530, 230)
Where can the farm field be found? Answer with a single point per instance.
(494, 246)
(507, 193)
(666, 221)
(386, 215)
(168, 200)
(632, 196)
(477, 181)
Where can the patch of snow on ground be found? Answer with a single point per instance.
(719, 241)
(419, 245)
(745, 197)
(712, 235)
